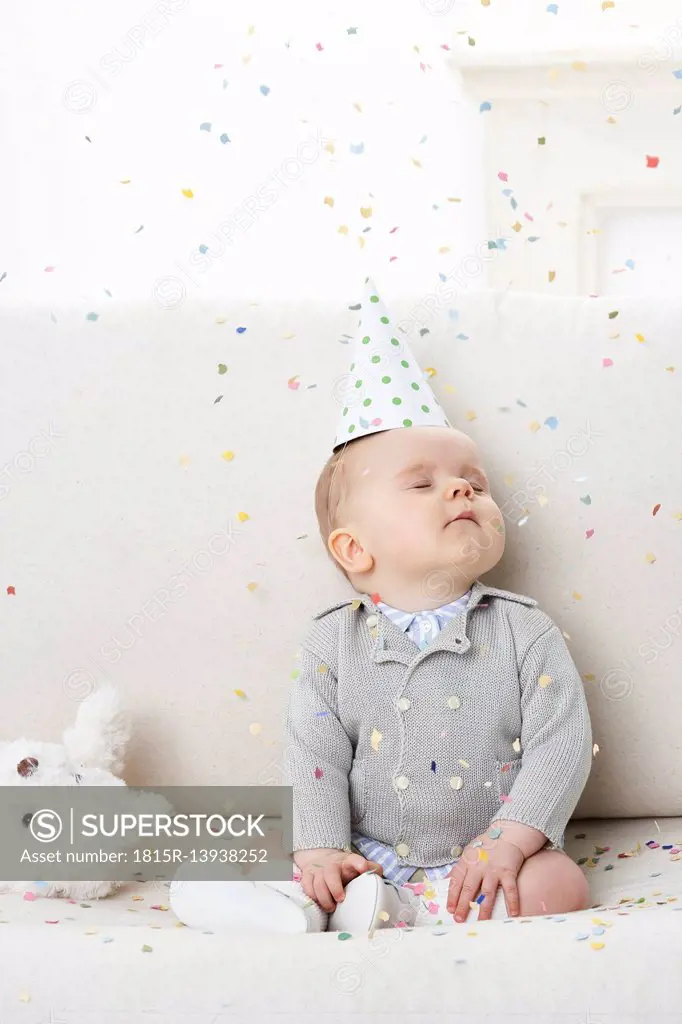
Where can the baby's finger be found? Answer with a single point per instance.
(509, 883)
(307, 882)
(332, 876)
(489, 891)
(468, 895)
(322, 894)
(354, 864)
(457, 876)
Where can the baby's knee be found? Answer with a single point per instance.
(568, 882)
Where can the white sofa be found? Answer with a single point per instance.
(136, 485)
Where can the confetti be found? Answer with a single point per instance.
(366, 211)
(255, 728)
(485, 106)
(205, 126)
(503, 176)
(342, 936)
(188, 193)
(228, 456)
(597, 945)
(650, 557)
(293, 383)
(11, 591)
(579, 65)
(652, 161)
(251, 586)
(376, 739)
(222, 368)
(92, 316)
(586, 499)
(588, 534)
(544, 681)
(630, 264)
(241, 330)
(147, 949)
(139, 229)
(552, 422)
(541, 140)
(318, 773)
(551, 275)
(357, 148)
(552, 8)
(265, 89)
(240, 693)
(607, 362)
(24, 997)
(242, 516)
(224, 138)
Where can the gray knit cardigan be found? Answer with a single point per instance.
(424, 749)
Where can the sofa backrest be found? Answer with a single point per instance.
(158, 525)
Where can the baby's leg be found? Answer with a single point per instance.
(551, 883)
(264, 907)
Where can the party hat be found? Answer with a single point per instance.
(384, 388)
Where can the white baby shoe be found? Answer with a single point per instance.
(275, 908)
(371, 902)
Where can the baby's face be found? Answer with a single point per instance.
(420, 503)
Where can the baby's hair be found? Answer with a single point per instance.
(331, 491)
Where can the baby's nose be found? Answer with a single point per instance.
(459, 485)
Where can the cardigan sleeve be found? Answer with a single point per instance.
(556, 739)
(318, 759)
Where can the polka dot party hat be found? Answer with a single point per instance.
(384, 388)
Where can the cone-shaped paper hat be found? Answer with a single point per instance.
(385, 388)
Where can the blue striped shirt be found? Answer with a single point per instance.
(421, 627)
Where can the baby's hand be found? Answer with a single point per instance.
(500, 865)
(327, 872)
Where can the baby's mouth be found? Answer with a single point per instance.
(466, 516)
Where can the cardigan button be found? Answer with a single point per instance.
(456, 851)
(402, 849)
(372, 620)
(402, 782)
(456, 781)
(404, 703)
(454, 702)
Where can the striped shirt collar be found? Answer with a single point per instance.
(446, 612)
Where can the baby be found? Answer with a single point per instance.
(439, 723)
(438, 733)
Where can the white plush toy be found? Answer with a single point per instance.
(91, 755)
